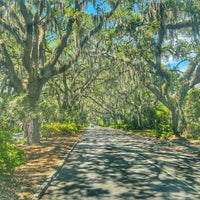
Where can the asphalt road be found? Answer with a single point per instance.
(110, 165)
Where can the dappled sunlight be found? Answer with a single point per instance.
(109, 164)
(42, 161)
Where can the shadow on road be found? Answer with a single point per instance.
(109, 165)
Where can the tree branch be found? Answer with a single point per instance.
(27, 15)
(48, 71)
(13, 31)
(196, 79)
(182, 25)
(15, 82)
(75, 56)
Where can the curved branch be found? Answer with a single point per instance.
(13, 31)
(20, 25)
(182, 25)
(14, 80)
(47, 72)
(91, 33)
(27, 15)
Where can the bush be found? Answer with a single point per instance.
(162, 122)
(100, 123)
(193, 130)
(13, 112)
(119, 124)
(58, 129)
(10, 155)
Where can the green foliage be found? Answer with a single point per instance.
(48, 109)
(76, 115)
(119, 124)
(10, 155)
(192, 112)
(100, 122)
(134, 22)
(58, 129)
(193, 130)
(112, 85)
(128, 123)
(192, 105)
(149, 117)
(162, 122)
(131, 121)
(13, 112)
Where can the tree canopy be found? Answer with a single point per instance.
(115, 61)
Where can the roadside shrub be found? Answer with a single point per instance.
(193, 130)
(192, 113)
(112, 125)
(130, 121)
(13, 112)
(100, 122)
(119, 124)
(58, 129)
(10, 155)
(162, 122)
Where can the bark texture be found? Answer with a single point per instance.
(31, 131)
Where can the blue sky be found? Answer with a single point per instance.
(92, 10)
(181, 65)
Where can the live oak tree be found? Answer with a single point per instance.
(163, 32)
(48, 43)
(42, 30)
(155, 34)
(158, 38)
(116, 95)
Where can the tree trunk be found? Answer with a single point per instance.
(174, 121)
(31, 126)
(140, 122)
(178, 121)
(31, 131)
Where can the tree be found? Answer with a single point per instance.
(42, 31)
(162, 30)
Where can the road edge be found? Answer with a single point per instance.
(40, 192)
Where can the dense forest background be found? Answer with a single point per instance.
(130, 64)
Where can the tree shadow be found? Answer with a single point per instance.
(111, 165)
(42, 161)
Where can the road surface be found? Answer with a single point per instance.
(111, 165)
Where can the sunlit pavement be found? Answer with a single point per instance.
(110, 165)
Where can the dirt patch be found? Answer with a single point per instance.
(42, 161)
